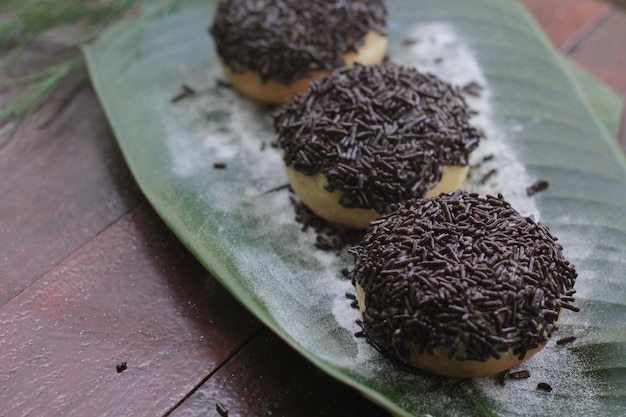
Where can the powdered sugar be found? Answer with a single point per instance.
(309, 304)
(437, 48)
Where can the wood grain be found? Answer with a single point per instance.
(593, 34)
(267, 378)
(567, 21)
(604, 52)
(60, 187)
(90, 277)
(132, 294)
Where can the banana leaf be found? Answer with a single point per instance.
(543, 119)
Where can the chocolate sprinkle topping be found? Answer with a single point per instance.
(544, 386)
(380, 133)
(286, 40)
(460, 272)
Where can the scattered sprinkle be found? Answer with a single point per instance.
(121, 367)
(185, 92)
(519, 374)
(566, 340)
(544, 386)
(278, 188)
(473, 89)
(537, 186)
(457, 386)
(488, 175)
(221, 409)
(436, 386)
(330, 238)
(223, 83)
(502, 378)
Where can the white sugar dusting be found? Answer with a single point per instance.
(438, 49)
(232, 128)
(229, 129)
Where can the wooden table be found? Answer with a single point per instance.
(90, 278)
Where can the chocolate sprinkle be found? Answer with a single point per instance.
(221, 409)
(330, 238)
(488, 175)
(544, 386)
(472, 89)
(519, 374)
(436, 386)
(380, 134)
(536, 187)
(458, 385)
(286, 40)
(223, 84)
(566, 340)
(501, 377)
(464, 273)
(185, 92)
(121, 367)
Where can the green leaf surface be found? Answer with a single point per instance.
(541, 120)
(605, 102)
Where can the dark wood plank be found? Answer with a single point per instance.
(132, 294)
(593, 34)
(566, 21)
(267, 378)
(84, 290)
(60, 187)
(604, 52)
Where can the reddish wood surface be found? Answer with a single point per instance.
(241, 387)
(593, 34)
(594, 52)
(90, 277)
(132, 294)
(567, 21)
(60, 187)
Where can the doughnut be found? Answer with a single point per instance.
(366, 137)
(460, 285)
(272, 49)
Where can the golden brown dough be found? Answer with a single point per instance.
(461, 285)
(365, 138)
(272, 50)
